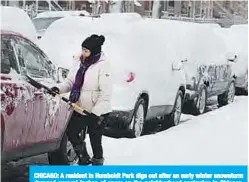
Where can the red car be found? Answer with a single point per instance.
(32, 121)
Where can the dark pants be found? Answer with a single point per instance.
(83, 124)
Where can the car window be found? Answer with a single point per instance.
(8, 60)
(32, 60)
(44, 23)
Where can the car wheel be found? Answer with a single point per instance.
(65, 155)
(173, 119)
(199, 106)
(137, 123)
(228, 96)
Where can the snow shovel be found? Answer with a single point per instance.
(39, 86)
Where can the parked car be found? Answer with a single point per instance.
(142, 73)
(236, 39)
(17, 20)
(43, 20)
(32, 121)
(208, 70)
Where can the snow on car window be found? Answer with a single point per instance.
(29, 57)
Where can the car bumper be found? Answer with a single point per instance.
(241, 82)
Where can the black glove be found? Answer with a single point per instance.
(74, 96)
(54, 90)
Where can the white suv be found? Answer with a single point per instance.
(148, 75)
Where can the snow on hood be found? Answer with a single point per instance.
(17, 20)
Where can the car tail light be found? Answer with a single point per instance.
(131, 77)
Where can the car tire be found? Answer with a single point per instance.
(228, 96)
(198, 107)
(172, 119)
(136, 125)
(60, 156)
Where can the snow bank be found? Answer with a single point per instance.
(219, 137)
(17, 20)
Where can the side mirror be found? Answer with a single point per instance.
(232, 57)
(177, 66)
(61, 74)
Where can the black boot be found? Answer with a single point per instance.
(81, 151)
(97, 162)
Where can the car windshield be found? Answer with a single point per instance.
(44, 23)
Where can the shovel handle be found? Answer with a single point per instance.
(75, 106)
(39, 86)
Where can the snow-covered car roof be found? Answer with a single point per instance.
(68, 40)
(116, 17)
(71, 31)
(54, 14)
(16, 20)
(236, 38)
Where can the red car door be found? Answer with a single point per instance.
(29, 61)
(16, 102)
(57, 110)
(49, 113)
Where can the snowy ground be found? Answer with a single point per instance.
(216, 137)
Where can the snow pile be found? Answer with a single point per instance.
(17, 20)
(219, 137)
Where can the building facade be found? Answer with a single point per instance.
(186, 9)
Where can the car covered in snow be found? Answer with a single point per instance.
(143, 66)
(43, 20)
(17, 20)
(236, 38)
(32, 121)
(208, 69)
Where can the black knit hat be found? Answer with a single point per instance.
(93, 43)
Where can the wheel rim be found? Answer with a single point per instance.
(139, 120)
(72, 157)
(178, 110)
(231, 93)
(202, 101)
